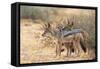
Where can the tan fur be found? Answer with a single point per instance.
(73, 41)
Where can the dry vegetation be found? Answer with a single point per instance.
(35, 48)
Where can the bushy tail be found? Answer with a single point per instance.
(83, 46)
(84, 40)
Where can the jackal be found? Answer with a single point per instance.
(73, 41)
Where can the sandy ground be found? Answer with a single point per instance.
(35, 48)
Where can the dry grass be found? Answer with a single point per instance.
(35, 48)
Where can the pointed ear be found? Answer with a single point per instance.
(68, 21)
(73, 20)
(72, 23)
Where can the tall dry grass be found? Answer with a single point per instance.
(35, 48)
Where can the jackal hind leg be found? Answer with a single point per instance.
(68, 51)
(76, 49)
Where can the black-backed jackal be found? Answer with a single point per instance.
(75, 42)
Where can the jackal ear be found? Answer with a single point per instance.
(72, 23)
(68, 21)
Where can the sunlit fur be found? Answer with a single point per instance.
(77, 42)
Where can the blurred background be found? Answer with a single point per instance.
(82, 18)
